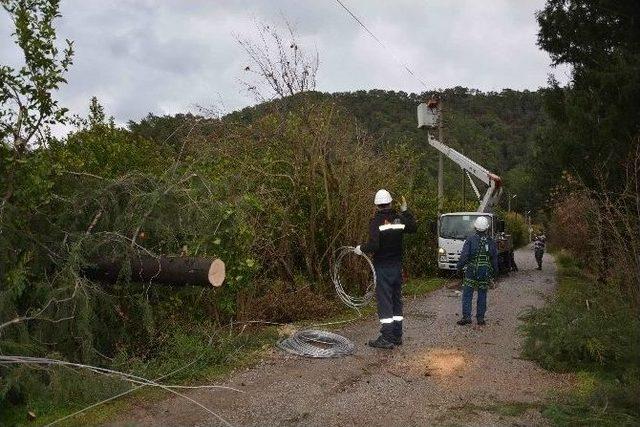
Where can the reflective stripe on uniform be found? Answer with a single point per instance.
(389, 320)
(398, 318)
(391, 227)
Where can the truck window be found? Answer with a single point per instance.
(458, 226)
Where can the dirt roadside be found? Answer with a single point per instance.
(444, 374)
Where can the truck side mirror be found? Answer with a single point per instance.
(500, 226)
(433, 226)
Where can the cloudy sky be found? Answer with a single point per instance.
(169, 56)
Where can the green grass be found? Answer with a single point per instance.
(229, 350)
(422, 286)
(598, 399)
(590, 329)
(512, 409)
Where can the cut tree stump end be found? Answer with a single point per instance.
(217, 273)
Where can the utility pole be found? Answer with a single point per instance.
(464, 172)
(509, 197)
(440, 160)
(464, 200)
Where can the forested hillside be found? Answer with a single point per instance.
(498, 130)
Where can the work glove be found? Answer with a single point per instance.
(357, 250)
(403, 204)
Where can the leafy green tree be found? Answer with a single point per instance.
(596, 117)
(27, 103)
(26, 94)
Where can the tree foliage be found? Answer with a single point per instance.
(498, 130)
(595, 119)
(588, 158)
(27, 101)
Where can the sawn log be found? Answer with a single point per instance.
(180, 271)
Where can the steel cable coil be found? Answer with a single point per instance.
(355, 302)
(318, 344)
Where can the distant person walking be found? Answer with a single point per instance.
(512, 259)
(539, 244)
(479, 259)
(386, 231)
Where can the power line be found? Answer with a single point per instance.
(398, 60)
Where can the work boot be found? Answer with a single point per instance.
(396, 336)
(463, 322)
(481, 322)
(381, 342)
(396, 340)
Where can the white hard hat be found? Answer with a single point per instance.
(383, 197)
(481, 223)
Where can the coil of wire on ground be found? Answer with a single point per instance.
(317, 344)
(355, 302)
(323, 344)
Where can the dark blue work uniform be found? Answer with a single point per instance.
(386, 232)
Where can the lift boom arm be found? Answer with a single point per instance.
(494, 182)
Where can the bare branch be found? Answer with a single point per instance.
(281, 65)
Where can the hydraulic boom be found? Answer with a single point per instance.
(493, 193)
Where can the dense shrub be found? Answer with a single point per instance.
(585, 325)
(594, 330)
(302, 182)
(600, 228)
(592, 326)
(517, 226)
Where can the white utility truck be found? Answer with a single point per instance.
(453, 228)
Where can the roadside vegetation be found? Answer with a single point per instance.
(593, 331)
(590, 153)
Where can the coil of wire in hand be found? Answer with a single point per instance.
(355, 302)
(317, 344)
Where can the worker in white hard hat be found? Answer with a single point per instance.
(386, 232)
(479, 259)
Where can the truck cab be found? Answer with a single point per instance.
(454, 228)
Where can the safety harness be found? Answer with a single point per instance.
(480, 265)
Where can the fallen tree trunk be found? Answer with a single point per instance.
(181, 271)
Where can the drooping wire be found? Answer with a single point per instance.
(134, 379)
(395, 57)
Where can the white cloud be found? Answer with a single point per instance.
(167, 56)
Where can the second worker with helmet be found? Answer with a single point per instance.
(385, 242)
(479, 259)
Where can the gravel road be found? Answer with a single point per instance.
(444, 374)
